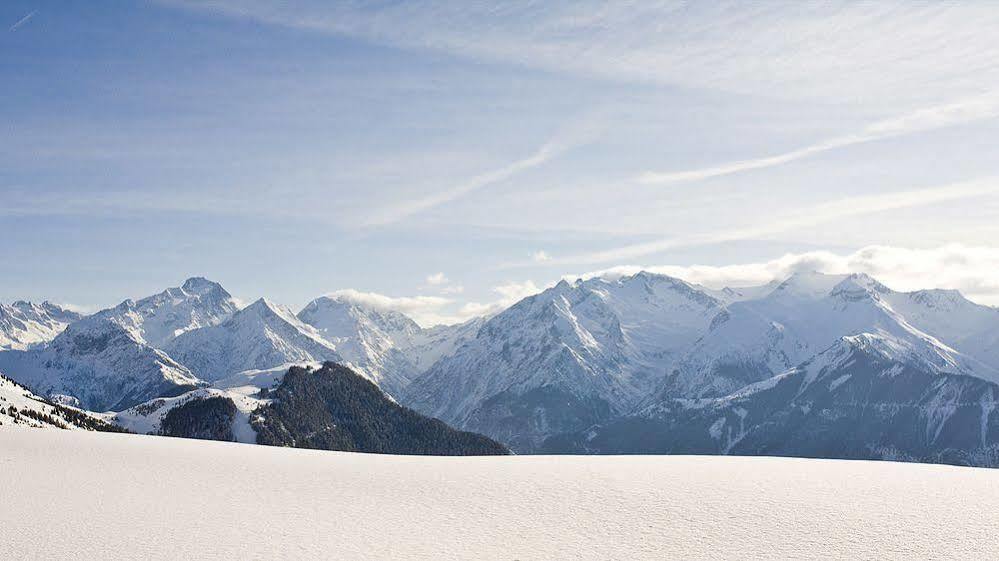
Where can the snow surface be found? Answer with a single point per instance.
(90, 495)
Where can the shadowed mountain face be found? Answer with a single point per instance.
(861, 399)
(99, 364)
(333, 408)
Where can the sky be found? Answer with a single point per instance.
(448, 158)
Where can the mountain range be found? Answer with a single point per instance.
(816, 365)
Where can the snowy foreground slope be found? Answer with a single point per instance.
(90, 495)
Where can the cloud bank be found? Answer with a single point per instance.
(435, 310)
(972, 270)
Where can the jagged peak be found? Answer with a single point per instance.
(564, 285)
(201, 286)
(935, 297)
(262, 305)
(358, 311)
(859, 284)
(265, 309)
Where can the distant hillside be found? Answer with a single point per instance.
(18, 406)
(333, 408)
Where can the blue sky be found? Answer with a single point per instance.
(446, 158)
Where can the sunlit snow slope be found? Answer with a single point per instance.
(87, 495)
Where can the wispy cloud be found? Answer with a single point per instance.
(972, 270)
(793, 219)
(908, 49)
(575, 134)
(509, 294)
(965, 111)
(22, 21)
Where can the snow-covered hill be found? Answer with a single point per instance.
(21, 408)
(146, 418)
(261, 336)
(330, 407)
(102, 496)
(24, 325)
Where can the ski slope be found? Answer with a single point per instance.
(89, 495)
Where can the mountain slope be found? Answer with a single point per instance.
(111, 360)
(101, 365)
(333, 408)
(258, 337)
(20, 407)
(372, 341)
(564, 359)
(24, 325)
(386, 346)
(869, 396)
(755, 339)
(172, 416)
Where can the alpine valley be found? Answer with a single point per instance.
(817, 365)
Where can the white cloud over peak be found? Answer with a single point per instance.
(972, 270)
(434, 310)
(425, 310)
(509, 294)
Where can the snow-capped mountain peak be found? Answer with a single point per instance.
(158, 319)
(858, 286)
(384, 345)
(583, 350)
(258, 337)
(25, 324)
